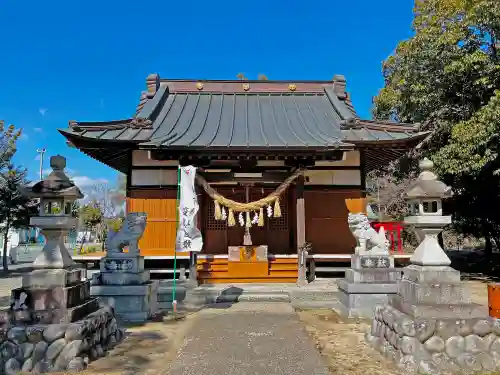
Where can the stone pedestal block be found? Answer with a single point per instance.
(431, 325)
(133, 303)
(55, 298)
(371, 280)
(49, 278)
(124, 284)
(123, 278)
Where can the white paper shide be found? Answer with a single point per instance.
(188, 235)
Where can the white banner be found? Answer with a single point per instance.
(188, 235)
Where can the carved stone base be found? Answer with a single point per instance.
(125, 278)
(52, 296)
(62, 347)
(55, 298)
(372, 280)
(50, 278)
(431, 325)
(359, 299)
(54, 254)
(132, 303)
(431, 346)
(124, 284)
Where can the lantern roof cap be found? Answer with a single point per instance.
(427, 184)
(57, 184)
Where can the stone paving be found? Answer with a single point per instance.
(248, 338)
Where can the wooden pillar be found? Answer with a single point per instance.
(301, 228)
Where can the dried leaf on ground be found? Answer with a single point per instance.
(343, 345)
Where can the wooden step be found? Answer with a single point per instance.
(283, 267)
(283, 260)
(247, 280)
(212, 267)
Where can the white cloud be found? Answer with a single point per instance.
(86, 182)
(42, 111)
(70, 172)
(38, 130)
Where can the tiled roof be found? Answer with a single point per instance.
(243, 114)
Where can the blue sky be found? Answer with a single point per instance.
(88, 60)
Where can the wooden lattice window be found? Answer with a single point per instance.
(210, 222)
(280, 223)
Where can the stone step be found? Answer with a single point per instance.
(313, 305)
(250, 297)
(194, 302)
(314, 295)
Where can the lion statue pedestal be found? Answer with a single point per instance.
(372, 278)
(123, 282)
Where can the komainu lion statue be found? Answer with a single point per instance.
(368, 241)
(129, 234)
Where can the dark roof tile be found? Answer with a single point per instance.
(220, 114)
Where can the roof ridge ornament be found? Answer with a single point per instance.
(73, 125)
(142, 101)
(339, 86)
(350, 123)
(140, 123)
(153, 83)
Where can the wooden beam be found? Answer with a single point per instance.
(301, 226)
(277, 177)
(301, 213)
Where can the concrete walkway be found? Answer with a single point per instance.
(247, 339)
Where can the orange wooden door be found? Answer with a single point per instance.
(326, 220)
(159, 236)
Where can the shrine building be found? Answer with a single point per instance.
(246, 138)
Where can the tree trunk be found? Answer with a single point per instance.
(4, 250)
(488, 246)
(83, 239)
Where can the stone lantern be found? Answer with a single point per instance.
(431, 325)
(424, 199)
(57, 194)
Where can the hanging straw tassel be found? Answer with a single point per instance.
(217, 211)
(277, 209)
(248, 221)
(260, 223)
(230, 219)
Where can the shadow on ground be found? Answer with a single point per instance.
(476, 265)
(144, 349)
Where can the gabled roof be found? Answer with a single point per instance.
(191, 115)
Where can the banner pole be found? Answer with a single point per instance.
(174, 301)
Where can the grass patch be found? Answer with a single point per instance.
(90, 249)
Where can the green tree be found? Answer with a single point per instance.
(445, 77)
(262, 77)
(241, 76)
(91, 217)
(15, 208)
(8, 139)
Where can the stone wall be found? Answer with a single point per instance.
(432, 345)
(57, 347)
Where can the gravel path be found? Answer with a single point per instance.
(247, 338)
